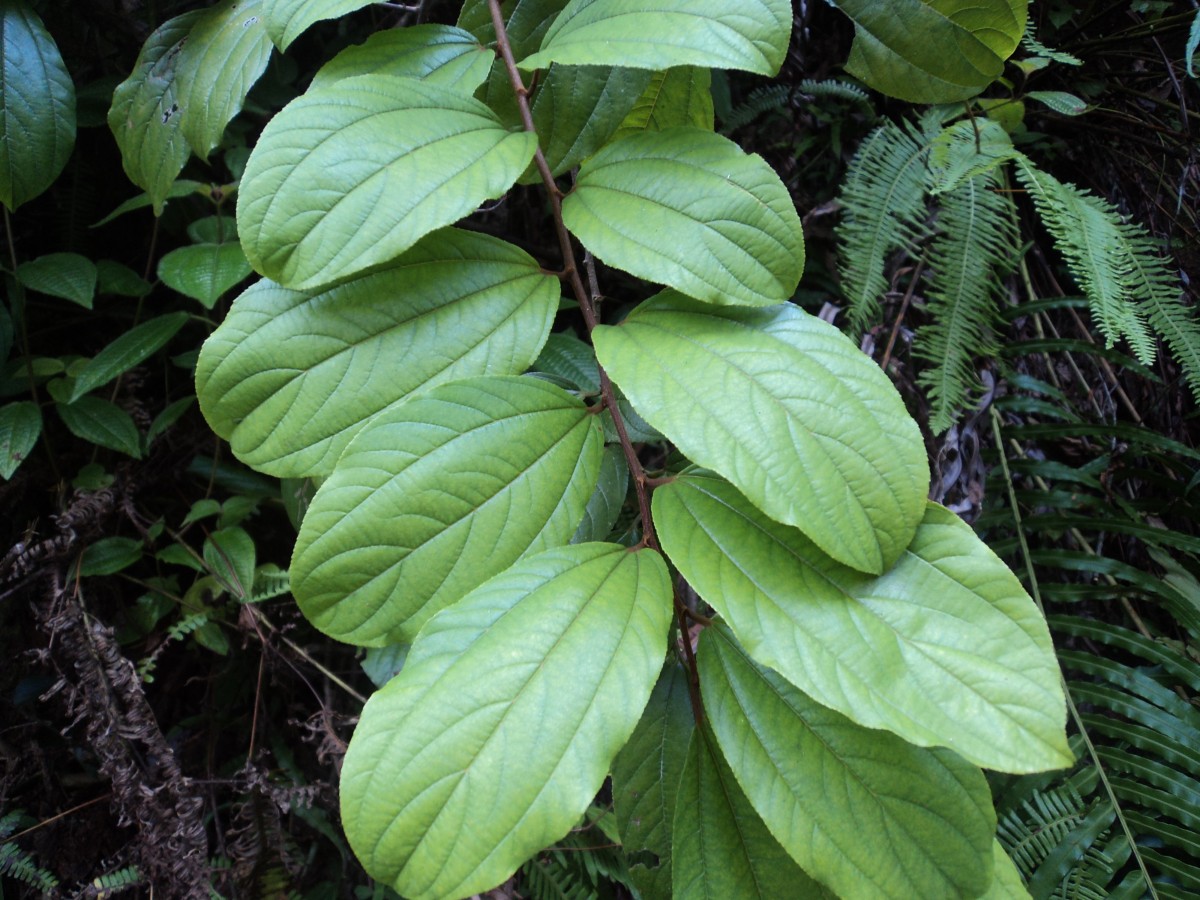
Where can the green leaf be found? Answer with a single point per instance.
(144, 117)
(604, 507)
(168, 417)
(688, 208)
(231, 557)
(753, 35)
(102, 423)
(286, 20)
(1060, 101)
(126, 352)
(676, 96)
(439, 54)
(944, 649)
(645, 777)
(1007, 883)
(570, 358)
(20, 426)
(722, 849)
(69, 276)
(117, 279)
(181, 188)
(861, 811)
(108, 556)
(37, 106)
(283, 378)
(224, 55)
(213, 230)
(353, 175)
(438, 494)
(932, 51)
(204, 271)
(381, 664)
(577, 108)
(498, 732)
(788, 409)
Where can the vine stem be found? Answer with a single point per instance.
(588, 306)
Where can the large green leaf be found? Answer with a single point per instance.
(289, 377)
(70, 276)
(722, 849)
(751, 35)
(144, 116)
(438, 494)
(352, 175)
(204, 271)
(1007, 883)
(932, 51)
(677, 96)
(499, 730)
(286, 20)
(224, 55)
(439, 54)
(125, 352)
(786, 408)
(37, 106)
(102, 423)
(645, 779)
(943, 649)
(862, 811)
(690, 209)
(20, 426)
(577, 108)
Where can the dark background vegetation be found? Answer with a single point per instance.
(140, 747)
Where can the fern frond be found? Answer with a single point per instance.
(770, 98)
(16, 863)
(883, 210)
(834, 89)
(972, 253)
(269, 582)
(1038, 50)
(966, 149)
(1096, 247)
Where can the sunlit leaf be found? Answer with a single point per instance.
(286, 20)
(439, 54)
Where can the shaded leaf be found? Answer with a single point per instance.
(604, 507)
(231, 557)
(785, 407)
(20, 427)
(286, 20)
(677, 96)
(118, 279)
(438, 494)
(125, 352)
(498, 732)
(69, 276)
(108, 556)
(102, 423)
(204, 271)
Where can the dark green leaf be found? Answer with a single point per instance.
(125, 352)
(66, 275)
(108, 556)
(231, 557)
(204, 271)
(20, 426)
(102, 423)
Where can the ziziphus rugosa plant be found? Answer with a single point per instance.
(868, 653)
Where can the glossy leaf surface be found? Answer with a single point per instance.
(144, 117)
(943, 649)
(286, 20)
(786, 408)
(352, 175)
(862, 811)
(439, 54)
(646, 777)
(753, 35)
(224, 55)
(37, 106)
(291, 376)
(438, 494)
(722, 849)
(932, 51)
(690, 209)
(500, 729)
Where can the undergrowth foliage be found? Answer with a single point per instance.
(862, 653)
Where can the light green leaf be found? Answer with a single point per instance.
(102, 423)
(1007, 883)
(753, 35)
(353, 175)
(943, 649)
(284, 378)
(204, 271)
(722, 848)
(438, 54)
(861, 811)
(438, 494)
(785, 407)
(498, 732)
(286, 20)
(125, 352)
(20, 426)
(604, 507)
(676, 96)
(108, 556)
(37, 106)
(144, 117)
(645, 778)
(688, 208)
(577, 108)
(66, 275)
(231, 557)
(224, 55)
(1060, 101)
(932, 51)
